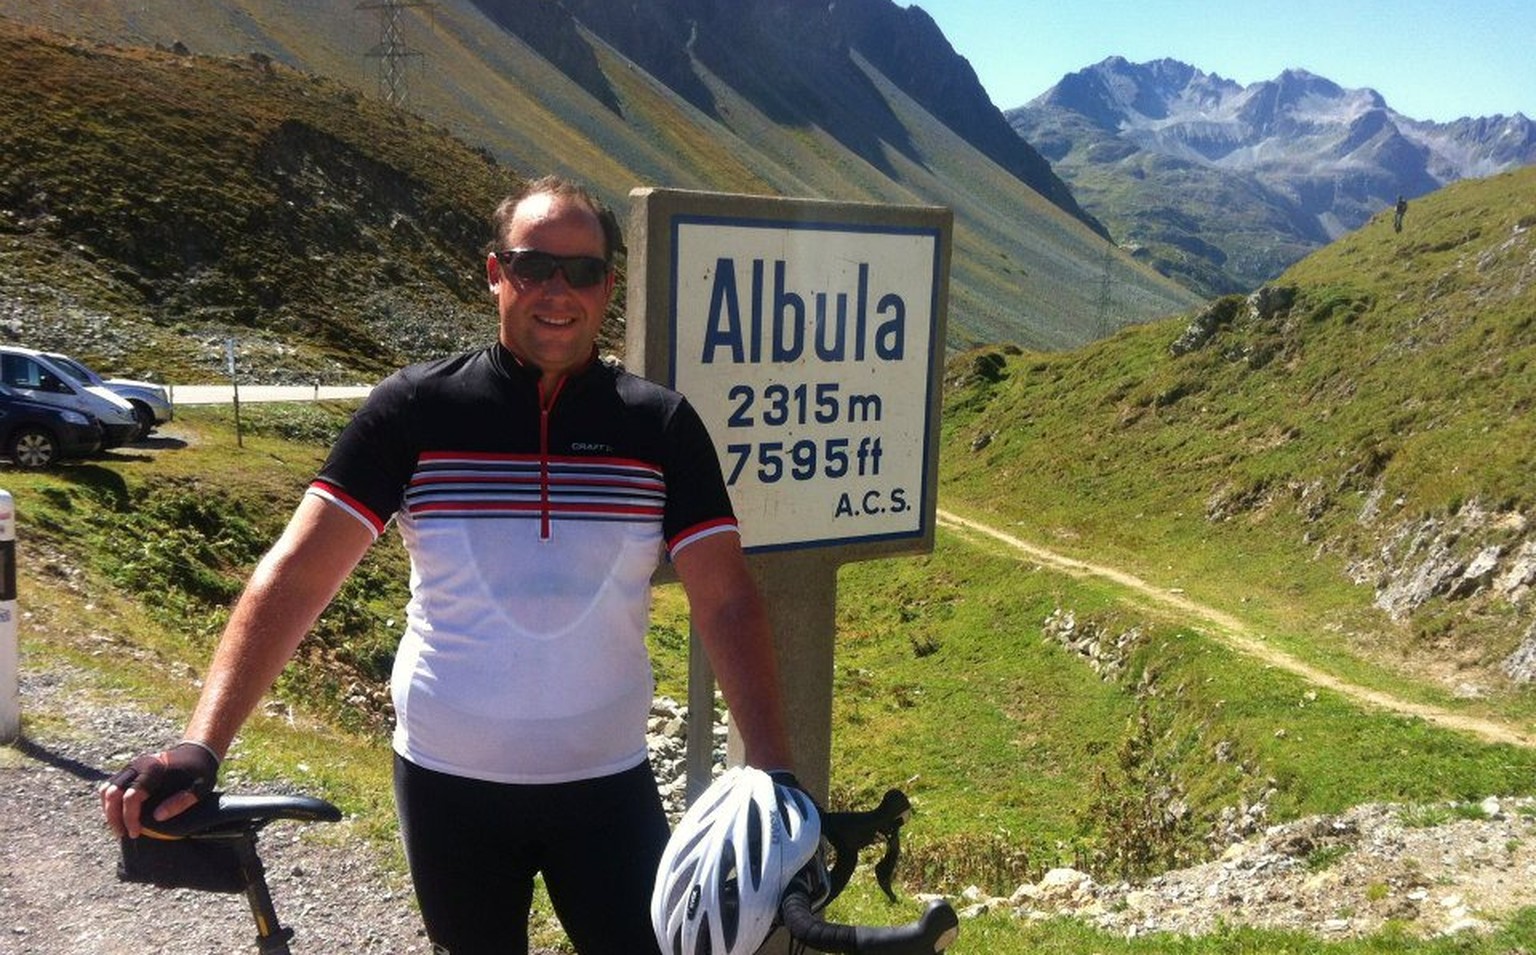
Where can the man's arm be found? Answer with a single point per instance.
(732, 623)
(287, 592)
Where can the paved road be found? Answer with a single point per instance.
(224, 394)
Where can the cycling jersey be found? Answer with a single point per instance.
(534, 523)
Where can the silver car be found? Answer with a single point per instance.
(34, 375)
(151, 402)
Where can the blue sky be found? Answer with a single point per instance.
(1430, 59)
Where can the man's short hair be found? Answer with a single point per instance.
(501, 219)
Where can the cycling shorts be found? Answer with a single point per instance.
(474, 847)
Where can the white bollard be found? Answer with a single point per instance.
(10, 650)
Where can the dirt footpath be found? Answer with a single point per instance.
(1239, 636)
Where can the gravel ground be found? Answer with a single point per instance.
(59, 893)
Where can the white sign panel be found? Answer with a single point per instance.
(807, 349)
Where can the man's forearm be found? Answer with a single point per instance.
(261, 636)
(740, 648)
(290, 588)
(732, 623)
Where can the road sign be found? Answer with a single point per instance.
(809, 336)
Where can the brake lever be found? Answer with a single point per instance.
(845, 860)
(885, 869)
(852, 831)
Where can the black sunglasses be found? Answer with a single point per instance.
(531, 265)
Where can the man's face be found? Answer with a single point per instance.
(549, 323)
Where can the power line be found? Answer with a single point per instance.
(392, 52)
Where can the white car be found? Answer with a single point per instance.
(151, 402)
(34, 375)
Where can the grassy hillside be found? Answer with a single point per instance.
(151, 204)
(1351, 467)
(1025, 271)
(1241, 472)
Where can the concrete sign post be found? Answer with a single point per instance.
(809, 335)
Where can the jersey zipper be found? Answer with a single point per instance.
(546, 405)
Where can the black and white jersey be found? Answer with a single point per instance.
(534, 523)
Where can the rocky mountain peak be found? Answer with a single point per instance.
(797, 61)
(1297, 157)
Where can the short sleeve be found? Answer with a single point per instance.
(372, 461)
(698, 503)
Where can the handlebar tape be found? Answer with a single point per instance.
(932, 932)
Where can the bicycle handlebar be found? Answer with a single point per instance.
(933, 931)
(847, 833)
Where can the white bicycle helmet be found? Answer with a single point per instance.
(725, 868)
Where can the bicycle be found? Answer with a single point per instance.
(212, 847)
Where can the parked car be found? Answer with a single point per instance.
(151, 402)
(33, 375)
(35, 435)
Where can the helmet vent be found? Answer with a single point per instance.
(755, 846)
(728, 897)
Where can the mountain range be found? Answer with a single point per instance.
(862, 100)
(1224, 185)
(1205, 186)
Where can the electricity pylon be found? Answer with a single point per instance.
(392, 51)
(1102, 326)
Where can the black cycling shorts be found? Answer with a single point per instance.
(474, 848)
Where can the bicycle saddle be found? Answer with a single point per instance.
(211, 846)
(226, 814)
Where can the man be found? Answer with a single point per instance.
(535, 488)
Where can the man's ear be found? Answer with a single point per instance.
(492, 272)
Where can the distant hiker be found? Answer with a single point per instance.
(1397, 219)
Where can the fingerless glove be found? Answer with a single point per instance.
(186, 766)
